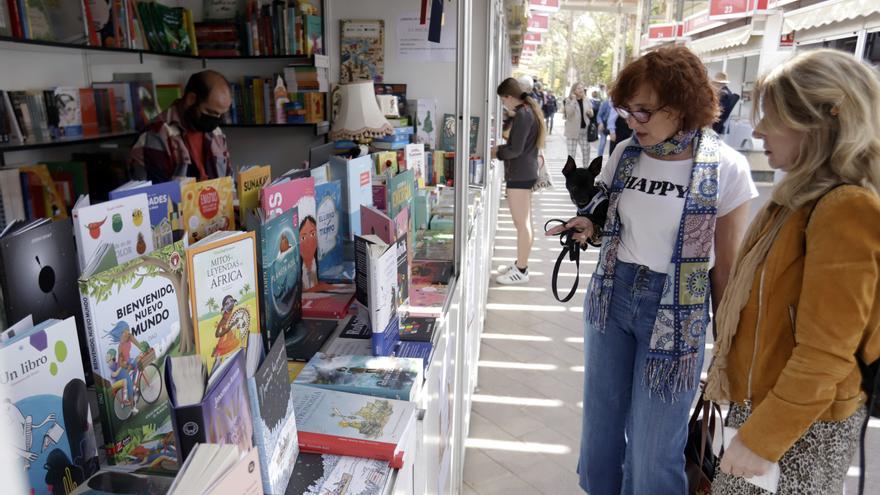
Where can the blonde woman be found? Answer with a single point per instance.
(578, 113)
(520, 155)
(801, 305)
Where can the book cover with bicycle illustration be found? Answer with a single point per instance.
(224, 298)
(134, 313)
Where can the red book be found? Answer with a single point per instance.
(326, 304)
(377, 223)
(89, 112)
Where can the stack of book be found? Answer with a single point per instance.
(274, 28)
(302, 78)
(218, 39)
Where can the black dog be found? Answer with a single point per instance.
(588, 197)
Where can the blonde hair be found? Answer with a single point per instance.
(512, 88)
(834, 100)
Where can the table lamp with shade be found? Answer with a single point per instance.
(359, 118)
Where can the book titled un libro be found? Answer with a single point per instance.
(378, 376)
(330, 422)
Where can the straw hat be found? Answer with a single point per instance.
(721, 78)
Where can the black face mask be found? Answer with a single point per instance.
(202, 122)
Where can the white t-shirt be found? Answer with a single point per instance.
(653, 200)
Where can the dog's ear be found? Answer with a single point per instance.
(569, 167)
(596, 166)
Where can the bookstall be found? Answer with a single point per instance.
(310, 322)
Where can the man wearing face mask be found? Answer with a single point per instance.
(185, 140)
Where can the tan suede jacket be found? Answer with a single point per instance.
(812, 307)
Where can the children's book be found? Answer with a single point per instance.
(329, 216)
(386, 163)
(417, 329)
(415, 161)
(447, 133)
(271, 403)
(136, 314)
(389, 377)
(308, 337)
(331, 422)
(207, 207)
(285, 194)
(356, 176)
(250, 182)
(164, 201)
(401, 189)
(47, 408)
(122, 222)
(224, 301)
(280, 274)
(209, 409)
(425, 116)
(375, 222)
(322, 474)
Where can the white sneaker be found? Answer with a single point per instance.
(502, 269)
(513, 276)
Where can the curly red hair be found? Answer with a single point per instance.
(680, 80)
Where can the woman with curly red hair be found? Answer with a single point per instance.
(677, 207)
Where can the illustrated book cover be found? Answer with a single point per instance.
(280, 274)
(362, 50)
(164, 202)
(135, 313)
(331, 422)
(250, 182)
(122, 222)
(328, 197)
(316, 474)
(47, 408)
(207, 207)
(357, 178)
(388, 377)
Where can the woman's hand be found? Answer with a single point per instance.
(582, 225)
(739, 460)
(495, 151)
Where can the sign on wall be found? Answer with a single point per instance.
(729, 9)
(532, 39)
(544, 5)
(665, 31)
(539, 23)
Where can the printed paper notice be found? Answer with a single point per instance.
(413, 44)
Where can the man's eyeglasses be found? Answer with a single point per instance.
(640, 116)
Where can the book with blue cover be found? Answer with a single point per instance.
(274, 423)
(280, 274)
(389, 377)
(164, 201)
(50, 430)
(357, 189)
(328, 198)
(411, 349)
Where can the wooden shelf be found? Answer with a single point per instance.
(50, 143)
(303, 60)
(321, 128)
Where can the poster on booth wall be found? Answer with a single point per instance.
(361, 50)
(413, 44)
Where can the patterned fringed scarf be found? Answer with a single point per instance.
(683, 312)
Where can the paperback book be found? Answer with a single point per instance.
(46, 400)
(356, 177)
(331, 422)
(207, 207)
(329, 217)
(308, 337)
(280, 274)
(223, 293)
(316, 474)
(122, 222)
(250, 182)
(136, 315)
(164, 202)
(389, 377)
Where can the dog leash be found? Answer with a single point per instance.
(571, 249)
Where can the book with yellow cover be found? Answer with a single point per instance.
(250, 181)
(224, 294)
(207, 207)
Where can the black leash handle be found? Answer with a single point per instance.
(572, 250)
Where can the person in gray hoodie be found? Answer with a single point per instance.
(520, 155)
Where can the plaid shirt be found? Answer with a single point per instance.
(161, 152)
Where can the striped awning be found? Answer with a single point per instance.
(727, 39)
(828, 13)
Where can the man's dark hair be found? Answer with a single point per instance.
(202, 83)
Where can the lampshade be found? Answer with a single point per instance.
(359, 115)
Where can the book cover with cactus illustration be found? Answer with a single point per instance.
(136, 314)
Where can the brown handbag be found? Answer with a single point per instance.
(700, 461)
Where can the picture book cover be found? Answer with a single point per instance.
(164, 201)
(207, 207)
(374, 222)
(331, 422)
(69, 114)
(280, 268)
(328, 197)
(357, 327)
(447, 132)
(223, 293)
(316, 474)
(415, 161)
(308, 337)
(274, 422)
(313, 34)
(134, 315)
(276, 198)
(250, 182)
(222, 416)
(424, 111)
(46, 408)
(386, 163)
(357, 179)
(362, 50)
(122, 222)
(377, 376)
(326, 304)
(417, 329)
(401, 189)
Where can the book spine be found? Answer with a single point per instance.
(189, 428)
(105, 406)
(319, 443)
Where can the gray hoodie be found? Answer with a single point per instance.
(520, 154)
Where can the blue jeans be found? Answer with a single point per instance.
(602, 139)
(632, 442)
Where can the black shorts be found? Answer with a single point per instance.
(521, 184)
